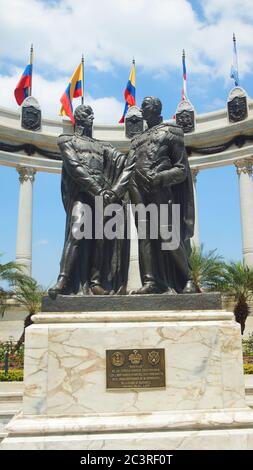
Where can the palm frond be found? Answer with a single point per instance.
(206, 268)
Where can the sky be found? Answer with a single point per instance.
(110, 33)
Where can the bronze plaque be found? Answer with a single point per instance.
(135, 368)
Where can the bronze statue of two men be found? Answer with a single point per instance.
(156, 171)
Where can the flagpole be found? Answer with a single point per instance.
(31, 63)
(135, 79)
(184, 94)
(82, 79)
(235, 56)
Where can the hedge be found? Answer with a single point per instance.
(14, 375)
(248, 368)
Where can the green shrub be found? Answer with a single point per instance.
(16, 357)
(247, 345)
(248, 368)
(14, 375)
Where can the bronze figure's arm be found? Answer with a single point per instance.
(121, 185)
(77, 171)
(176, 149)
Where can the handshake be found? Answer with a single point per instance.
(109, 196)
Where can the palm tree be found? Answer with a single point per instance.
(206, 268)
(10, 272)
(29, 294)
(238, 281)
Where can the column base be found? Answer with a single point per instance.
(222, 429)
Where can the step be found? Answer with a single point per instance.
(248, 384)
(2, 436)
(10, 397)
(249, 400)
(9, 409)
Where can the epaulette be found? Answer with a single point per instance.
(106, 144)
(63, 138)
(177, 131)
(135, 139)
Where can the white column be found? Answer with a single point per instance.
(134, 280)
(24, 227)
(195, 239)
(244, 171)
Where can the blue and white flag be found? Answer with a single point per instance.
(234, 68)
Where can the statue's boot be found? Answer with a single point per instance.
(148, 288)
(97, 289)
(170, 291)
(59, 288)
(190, 288)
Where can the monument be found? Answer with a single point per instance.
(141, 371)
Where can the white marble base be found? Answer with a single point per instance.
(221, 430)
(66, 403)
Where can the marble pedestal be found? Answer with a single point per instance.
(66, 404)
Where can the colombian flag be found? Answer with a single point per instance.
(73, 90)
(129, 93)
(22, 89)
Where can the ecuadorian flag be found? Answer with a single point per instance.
(129, 93)
(73, 90)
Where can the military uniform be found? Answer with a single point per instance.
(162, 176)
(89, 168)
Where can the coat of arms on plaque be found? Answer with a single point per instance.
(154, 357)
(134, 123)
(118, 359)
(135, 357)
(31, 114)
(237, 105)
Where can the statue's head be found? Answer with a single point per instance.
(151, 107)
(84, 117)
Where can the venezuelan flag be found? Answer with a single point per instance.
(22, 89)
(129, 93)
(73, 90)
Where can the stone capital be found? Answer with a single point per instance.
(26, 174)
(194, 172)
(244, 166)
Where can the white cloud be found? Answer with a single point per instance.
(110, 32)
(48, 93)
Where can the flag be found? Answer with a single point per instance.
(129, 93)
(73, 90)
(24, 86)
(234, 68)
(184, 92)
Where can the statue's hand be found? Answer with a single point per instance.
(154, 181)
(157, 182)
(161, 180)
(145, 180)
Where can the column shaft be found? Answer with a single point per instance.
(244, 171)
(24, 226)
(196, 238)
